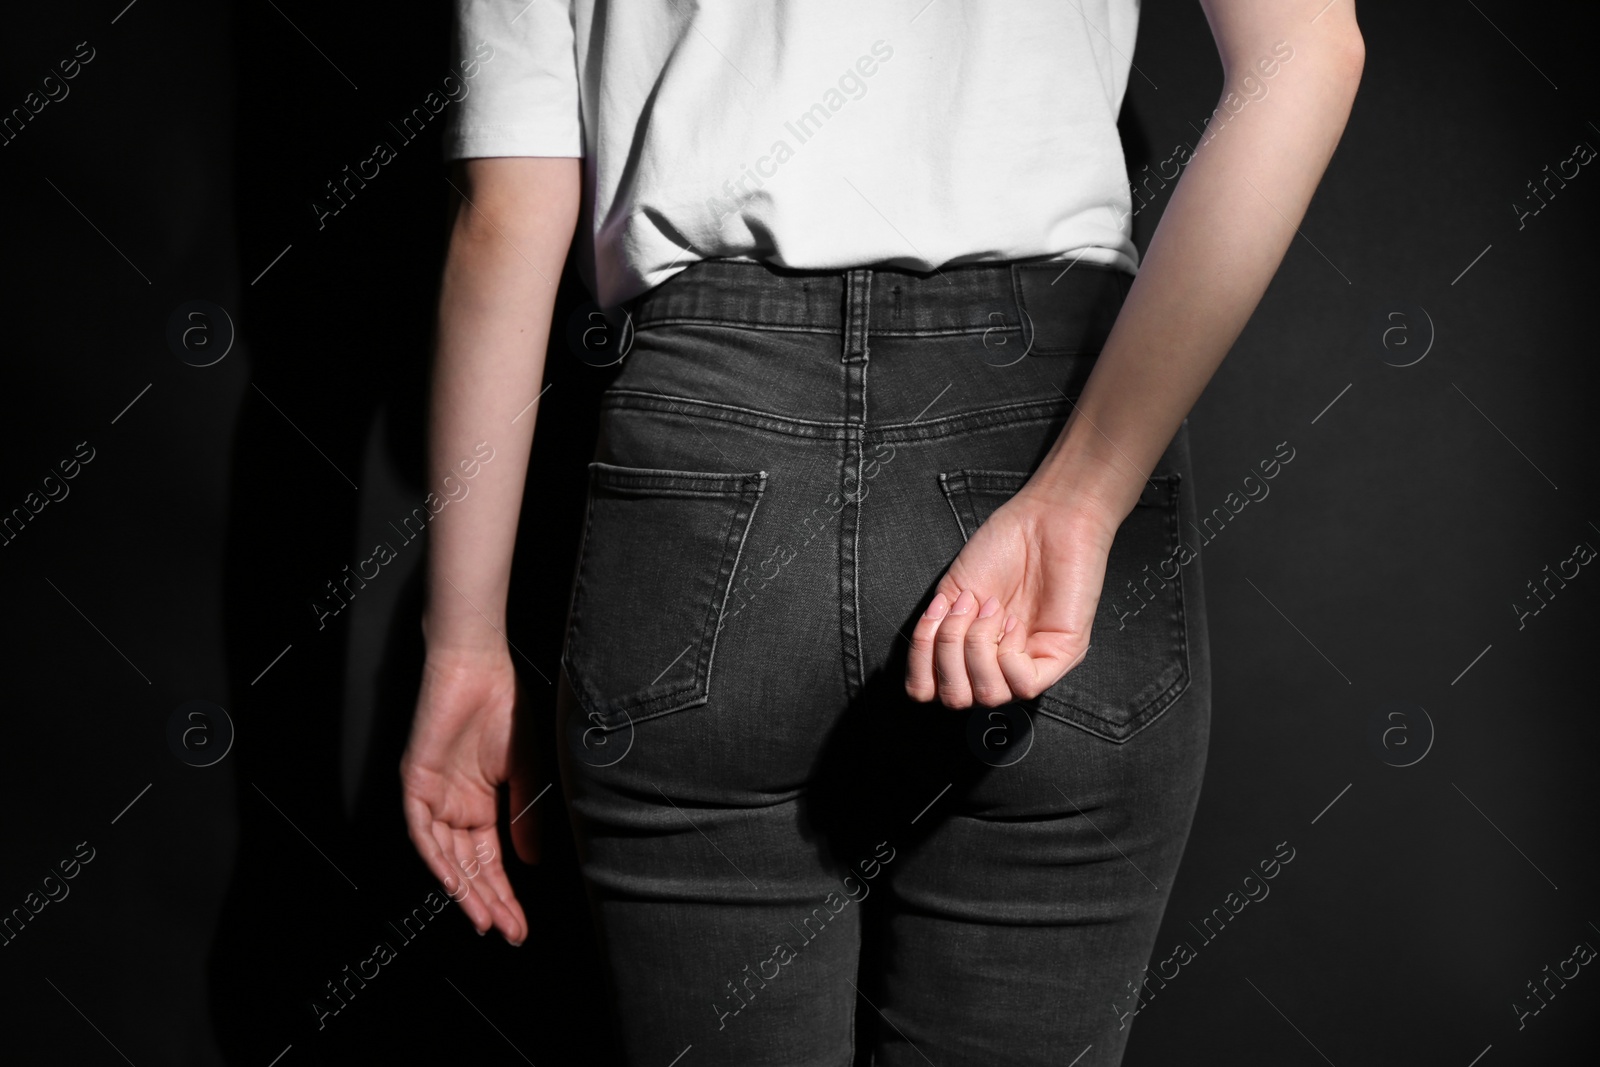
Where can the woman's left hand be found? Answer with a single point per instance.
(1012, 614)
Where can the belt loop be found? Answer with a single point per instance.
(858, 303)
(1024, 319)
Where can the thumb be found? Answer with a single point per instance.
(1033, 662)
(524, 811)
(524, 816)
(1021, 673)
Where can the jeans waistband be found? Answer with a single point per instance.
(1058, 306)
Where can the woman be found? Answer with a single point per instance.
(884, 700)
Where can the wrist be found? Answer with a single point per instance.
(454, 634)
(1097, 483)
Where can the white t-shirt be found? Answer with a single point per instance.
(811, 133)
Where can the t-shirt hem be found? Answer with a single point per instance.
(473, 142)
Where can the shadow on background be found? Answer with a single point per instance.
(341, 326)
(181, 561)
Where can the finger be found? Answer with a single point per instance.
(492, 872)
(1021, 675)
(919, 664)
(949, 653)
(1033, 662)
(457, 884)
(471, 865)
(420, 824)
(989, 686)
(1062, 653)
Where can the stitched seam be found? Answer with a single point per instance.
(573, 614)
(1020, 412)
(742, 325)
(855, 555)
(1010, 415)
(844, 460)
(634, 707)
(643, 400)
(745, 326)
(661, 482)
(964, 482)
(949, 498)
(1158, 704)
(731, 570)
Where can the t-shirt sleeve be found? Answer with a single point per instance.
(518, 61)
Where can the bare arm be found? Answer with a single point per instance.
(507, 246)
(1014, 611)
(1232, 217)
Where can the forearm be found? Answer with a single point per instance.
(507, 247)
(1231, 218)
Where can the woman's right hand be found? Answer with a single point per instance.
(1012, 614)
(461, 750)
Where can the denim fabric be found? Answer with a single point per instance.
(790, 862)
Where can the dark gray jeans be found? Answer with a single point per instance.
(789, 861)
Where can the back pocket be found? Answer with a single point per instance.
(1138, 658)
(658, 555)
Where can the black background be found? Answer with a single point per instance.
(182, 166)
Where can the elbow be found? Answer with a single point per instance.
(516, 199)
(1335, 62)
(1349, 56)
